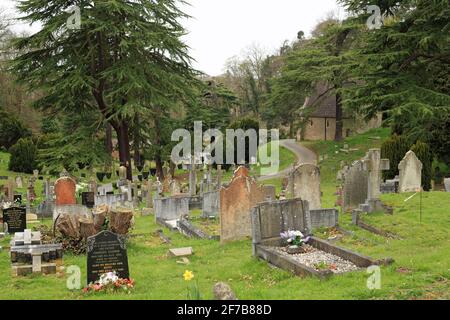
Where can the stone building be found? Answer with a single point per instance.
(320, 109)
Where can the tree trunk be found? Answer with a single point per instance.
(108, 140)
(339, 118)
(137, 143)
(173, 167)
(159, 168)
(122, 131)
(87, 228)
(120, 221)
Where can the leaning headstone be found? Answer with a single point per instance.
(15, 218)
(106, 252)
(304, 183)
(410, 169)
(167, 209)
(236, 202)
(65, 188)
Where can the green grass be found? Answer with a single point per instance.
(421, 270)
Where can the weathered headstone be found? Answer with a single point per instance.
(19, 182)
(88, 199)
(447, 184)
(236, 201)
(65, 188)
(304, 183)
(173, 208)
(211, 204)
(15, 218)
(106, 252)
(374, 165)
(410, 169)
(105, 188)
(355, 186)
(270, 192)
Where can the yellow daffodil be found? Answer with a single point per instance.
(188, 275)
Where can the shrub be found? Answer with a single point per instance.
(23, 156)
(394, 149)
(11, 130)
(423, 152)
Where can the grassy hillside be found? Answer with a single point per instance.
(421, 270)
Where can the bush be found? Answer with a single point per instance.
(423, 152)
(394, 149)
(11, 130)
(23, 156)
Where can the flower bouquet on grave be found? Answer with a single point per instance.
(110, 283)
(295, 241)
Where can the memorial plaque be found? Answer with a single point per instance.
(106, 252)
(88, 199)
(16, 218)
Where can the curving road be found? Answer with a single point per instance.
(303, 154)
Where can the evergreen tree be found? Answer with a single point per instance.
(404, 69)
(126, 56)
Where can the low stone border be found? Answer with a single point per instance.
(188, 229)
(264, 252)
(356, 220)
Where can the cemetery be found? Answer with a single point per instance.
(117, 182)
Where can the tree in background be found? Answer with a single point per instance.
(404, 69)
(11, 129)
(23, 156)
(324, 59)
(126, 57)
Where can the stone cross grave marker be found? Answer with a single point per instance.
(410, 169)
(304, 183)
(106, 252)
(374, 165)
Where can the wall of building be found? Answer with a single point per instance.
(315, 129)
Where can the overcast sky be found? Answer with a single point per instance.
(221, 29)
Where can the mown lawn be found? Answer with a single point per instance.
(421, 270)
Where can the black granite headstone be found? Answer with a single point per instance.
(88, 199)
(18, 198)
(106, 252)
(16, 218)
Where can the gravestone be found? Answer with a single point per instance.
(355, 186)
(236, 202)
(192, 178)
(304, 183)
(106, 252)
(88, 199)
(447, 184)
(374, 165)
(104, 189)
(17, 198)
(111, 200)
(15, 218)
(173, 208)
(410, 169)
(175, 188)
(19, 182)
(65, 188)
(270, 193)
(211, 204)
